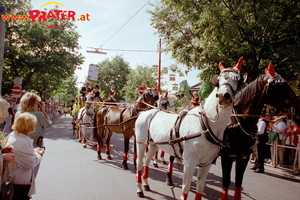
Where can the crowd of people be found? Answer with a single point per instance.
(277, 140)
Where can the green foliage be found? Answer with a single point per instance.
(113, 76)
(43, 57)
(67, 90)
(201, 33)
(141, 75)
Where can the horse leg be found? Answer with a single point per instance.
(141, 148)
(149, 155)
(83, 141)
(99, 137)
(240, 168)
(188, 171)
(226, 163)
(202, 174)
(107, 147)
(169, 180)
(155, 160)
(162, 157)
(134, 153)
(126, 149)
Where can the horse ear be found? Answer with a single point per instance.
(239, 63)
(214, 80)
(243, 79)
(270, 70)
(221, 66)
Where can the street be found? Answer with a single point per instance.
(70, 172)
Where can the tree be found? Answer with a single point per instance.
(41, 56)
(112, 76)
(67, 91)
(201, 33)
(142, 75)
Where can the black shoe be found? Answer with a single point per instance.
(259, 171)
(253, 168)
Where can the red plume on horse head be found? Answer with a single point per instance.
(166, 94)
(270, 70)
(238, 66)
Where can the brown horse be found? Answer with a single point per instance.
(111, 119)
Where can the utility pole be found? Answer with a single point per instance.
(2, 36)
(159, 66)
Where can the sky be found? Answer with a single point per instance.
(115, 24)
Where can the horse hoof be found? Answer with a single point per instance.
(169, 182)
(84, 146)
(125, 166)
(79, 140)
(99, 157)
(109, 157)
(147, 188)
(155, 165)
(140, 194)
(164, 162)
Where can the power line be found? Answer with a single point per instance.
(124, 24)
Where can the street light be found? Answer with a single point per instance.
(96, 51)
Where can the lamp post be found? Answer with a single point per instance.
(2, 36)
(159, 67)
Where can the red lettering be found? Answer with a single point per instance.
(14, 17)
(64, 16)
(23, 17)
(71, 15)
(51, 15)
(58, 12)
(43, 16)
(34, 14)
(5, 17)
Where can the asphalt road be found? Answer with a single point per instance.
(70, 172)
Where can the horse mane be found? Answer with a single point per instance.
(251, 92)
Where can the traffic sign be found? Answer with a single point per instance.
(141, 90)
(16, 89)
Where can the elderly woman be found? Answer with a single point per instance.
(32, 104)
(26, 157)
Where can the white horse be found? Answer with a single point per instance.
(165, 103)
(195, 137)
(85, 118)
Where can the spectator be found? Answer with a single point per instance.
(29, 103)
(9, 119)
(26, 157)
(262, 139)
(280, 128)
(195, 100)
(183, 100)
(85, 90)
(6, 154)
(97, 93)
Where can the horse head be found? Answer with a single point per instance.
(150, 96)
(227, 83)
(163, 101)
(279, 94)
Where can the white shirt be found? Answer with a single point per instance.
(261, 126)
(282, 127)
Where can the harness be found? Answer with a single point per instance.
(210, 136)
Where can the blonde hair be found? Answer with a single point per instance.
(4, 105)
(24, 123)
(195, 94)
(29, 102)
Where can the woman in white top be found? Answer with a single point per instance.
(26, 157)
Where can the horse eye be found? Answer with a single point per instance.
(226, 75)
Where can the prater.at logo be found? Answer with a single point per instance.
(44, 17)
